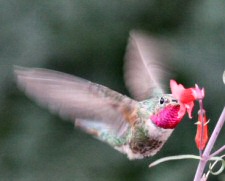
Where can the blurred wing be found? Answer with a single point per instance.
(145, 65)
(73, 97)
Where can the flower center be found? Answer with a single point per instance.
(187, 96)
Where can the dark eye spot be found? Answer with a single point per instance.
(161, 101)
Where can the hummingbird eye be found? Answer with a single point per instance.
(161, 101)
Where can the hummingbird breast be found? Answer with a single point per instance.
(147, 147)
(146, 140)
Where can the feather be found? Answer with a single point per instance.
(145, 65)
(73, 97)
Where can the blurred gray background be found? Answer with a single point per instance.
(88, 39)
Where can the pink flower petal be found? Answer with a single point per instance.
(176, 89)
(190, 108)
(198, 93)
(182, 111)
(186, 97)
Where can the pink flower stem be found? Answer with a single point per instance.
(217, 152)
(209, 146)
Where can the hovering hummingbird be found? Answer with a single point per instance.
(138, 128)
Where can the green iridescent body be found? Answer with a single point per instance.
(142, 139)
(138, 132)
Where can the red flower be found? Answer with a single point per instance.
(186, 97)
(202, 134)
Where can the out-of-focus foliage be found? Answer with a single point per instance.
(88, 39)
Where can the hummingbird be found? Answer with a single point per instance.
(138, 126)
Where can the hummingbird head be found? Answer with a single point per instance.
(165, 111)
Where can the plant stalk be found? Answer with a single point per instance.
(209, 146)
